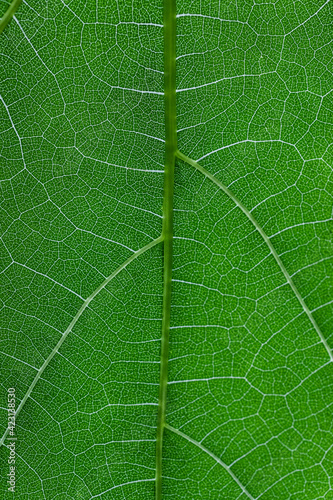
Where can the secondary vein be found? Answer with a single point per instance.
(74, 321)
(267, 240)
(169, 23)
(217, 459)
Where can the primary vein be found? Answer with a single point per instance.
(169, 23)
(8, 15)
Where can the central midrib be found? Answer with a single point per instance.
(169, 26)
(171, 152)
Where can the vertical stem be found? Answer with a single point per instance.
(8, 15)
(169, 21)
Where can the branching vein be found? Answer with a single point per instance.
(218, 460)
(268, 242)
(74, 321)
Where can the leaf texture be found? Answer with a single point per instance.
(83, 141)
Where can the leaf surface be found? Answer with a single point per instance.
(83, 131)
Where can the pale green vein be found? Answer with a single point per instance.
(169, 24)
(218, 460)
(268, 242)
(84, 306)
(8, 15)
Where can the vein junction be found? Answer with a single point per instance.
(268, 242)
(169, 23)
(74, 321)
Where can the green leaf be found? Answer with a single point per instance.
(215, 382)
